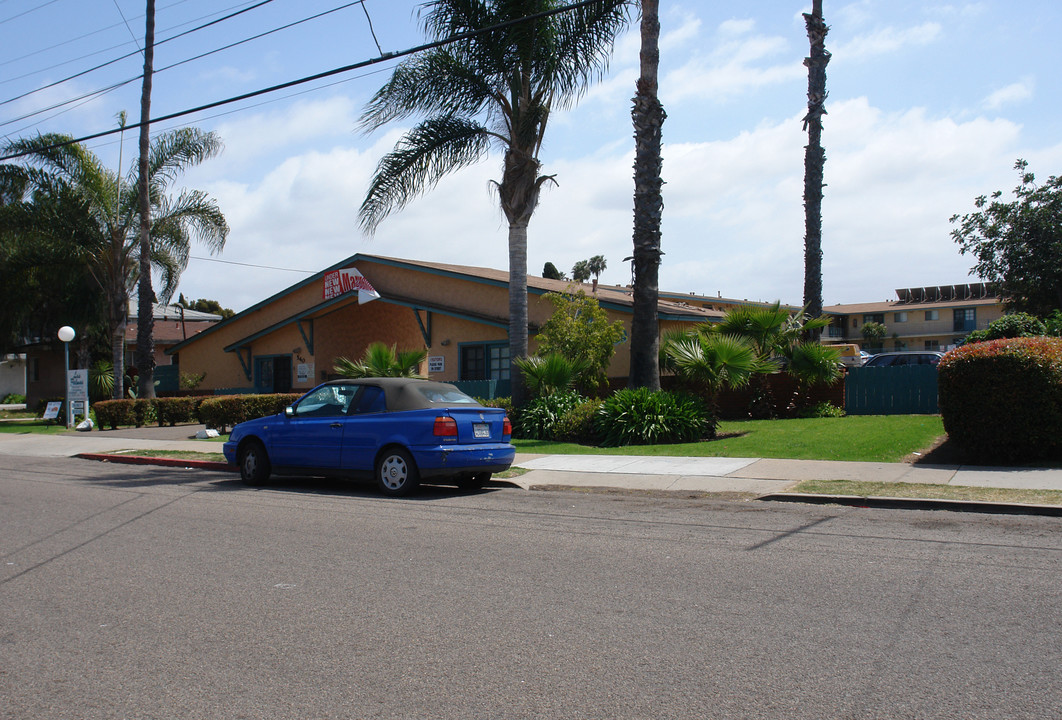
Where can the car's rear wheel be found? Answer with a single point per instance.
(396, 473)
(473, 482)
(254, 463)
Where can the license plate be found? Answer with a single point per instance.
(481, 430)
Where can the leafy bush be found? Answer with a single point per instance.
(539, 417)
(173, 410)
(644, 417)
(820, 410)
(112, 413)
(1001, 401)
(579, 425)
(227, 410)
(13, 399)
(1009, 326)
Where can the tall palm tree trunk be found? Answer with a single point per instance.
(814, 161)
(648, 116)
(145, 323)
(517, 308)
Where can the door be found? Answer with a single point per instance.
(312, 437)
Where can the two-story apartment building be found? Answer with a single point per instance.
(925, 318)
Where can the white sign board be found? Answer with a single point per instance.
(51, 411)
(304, 372)
(436, 364)
(79, 395)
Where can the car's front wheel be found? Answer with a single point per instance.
(396, 473)
(254, 463)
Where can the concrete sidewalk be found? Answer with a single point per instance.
(747, 476)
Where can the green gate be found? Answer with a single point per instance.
(898, 390)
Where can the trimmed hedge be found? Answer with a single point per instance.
(1001, 401)
(216, 412)
(228, 410)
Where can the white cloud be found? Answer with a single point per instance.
(1013, 93)
(887, 40)
(739, 61)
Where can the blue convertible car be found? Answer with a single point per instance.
(395, 430)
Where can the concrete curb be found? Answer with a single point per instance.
(976, 506)
(167, 462)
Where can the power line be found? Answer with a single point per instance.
(42, 50)
(138, 51)
(328, 73)
(263, 267)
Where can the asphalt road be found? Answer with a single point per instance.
(146, 592)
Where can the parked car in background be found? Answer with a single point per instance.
(851, 355)
(922, 357)
(396, 431)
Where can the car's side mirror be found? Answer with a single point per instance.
(289, 411)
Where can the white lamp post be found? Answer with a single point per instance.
(66, 334)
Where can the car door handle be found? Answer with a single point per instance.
(336, 425)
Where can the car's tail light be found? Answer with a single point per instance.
(445, 427)
(507, 427)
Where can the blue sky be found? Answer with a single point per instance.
(930, 104)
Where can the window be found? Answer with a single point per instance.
(485, 362)
(965, 319)
(35, 370)
(932, 345)
(874, 317)
(899, 317)
(900, 346)
(371, 400)
(932, 314)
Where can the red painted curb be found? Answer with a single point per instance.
(167, 462)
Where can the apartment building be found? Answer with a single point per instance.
(922, 318)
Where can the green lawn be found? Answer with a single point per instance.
(32, 425)
(867, 438)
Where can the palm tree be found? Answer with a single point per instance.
(596, 265)
(551, 374)
(713, 360)
(145, 323)
(107, 219)
(382, 361)
(493, 88)
(814, 161)
(776, 336)
(581, 271)
(648, 116)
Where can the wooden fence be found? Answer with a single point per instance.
(899, 390)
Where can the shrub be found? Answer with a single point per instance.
(173, 410)
(13, 399)
(579, 424)
(227, 410)
(1001, 401)
(112, 413)
(820, 410)
(644, 417)
(1009, 326)
(539, 417)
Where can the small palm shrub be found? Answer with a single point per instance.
(537, 419)
(1001, 401)
(643, 417)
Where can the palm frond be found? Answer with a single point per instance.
(428, 152)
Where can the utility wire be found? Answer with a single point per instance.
(27, 12)
(42, 50)
(264, 267)
(371, 31)
(328, 73)
(138, 52)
